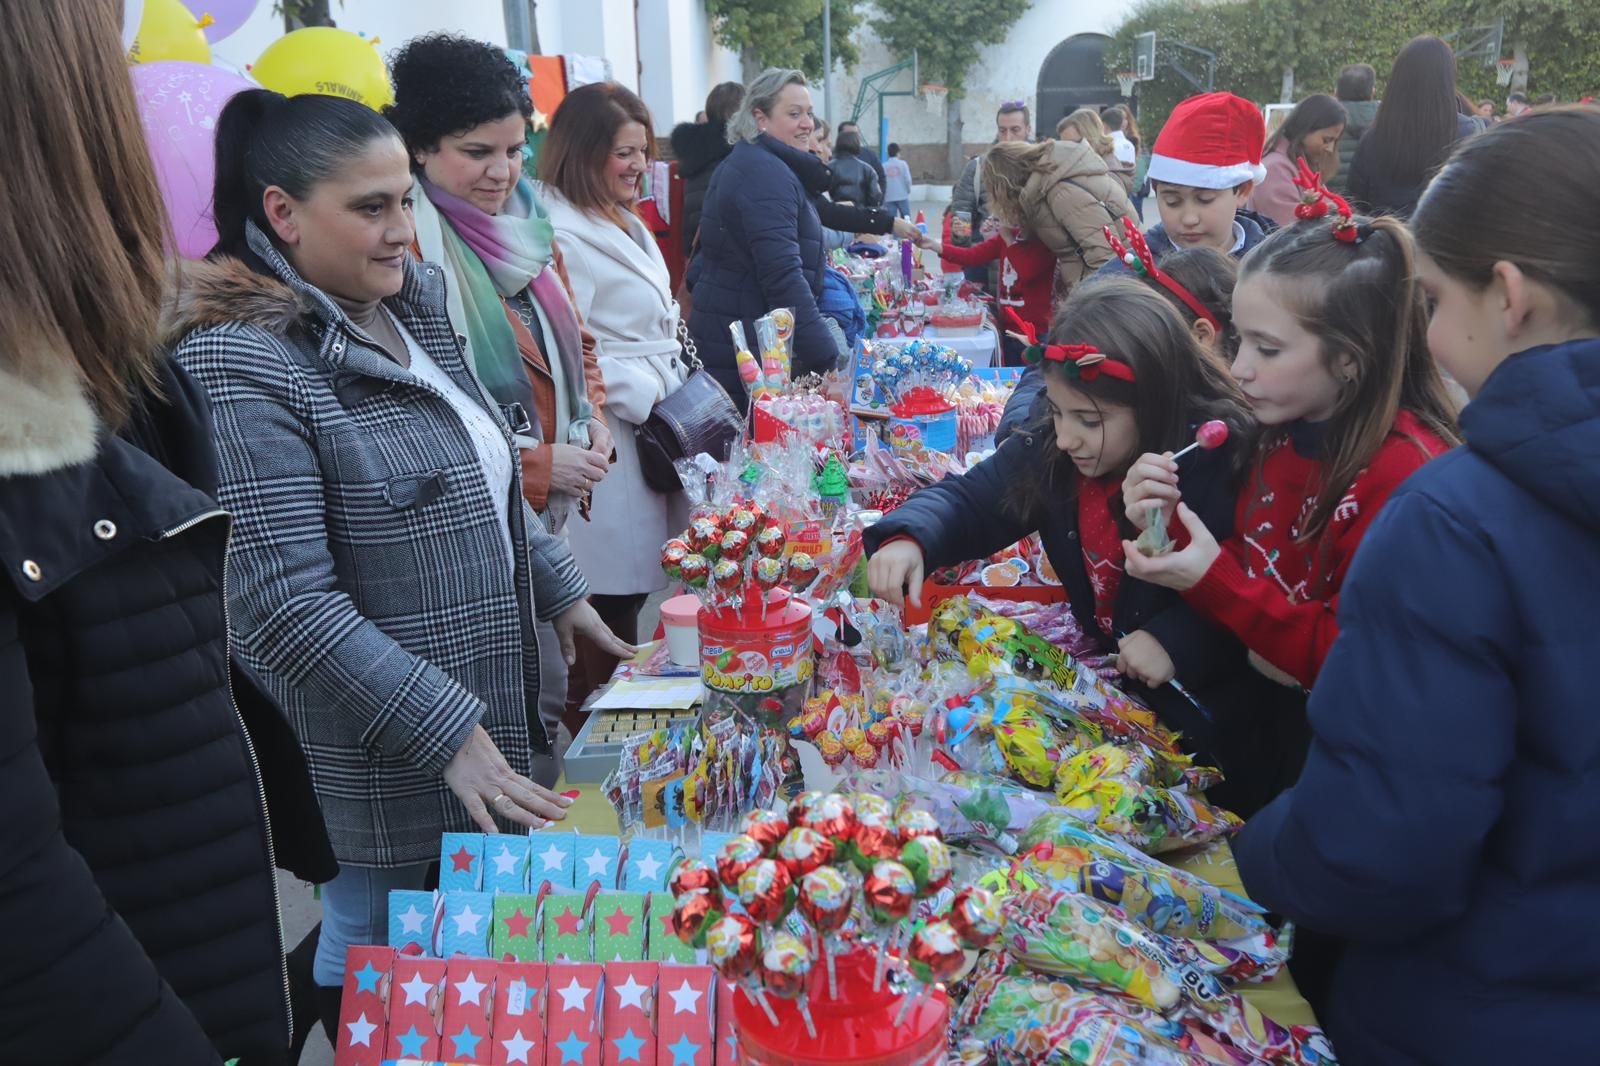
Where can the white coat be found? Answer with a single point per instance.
(624, 294)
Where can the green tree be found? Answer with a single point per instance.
(784, 33)
(946, 35)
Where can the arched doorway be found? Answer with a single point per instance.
(1073, 75)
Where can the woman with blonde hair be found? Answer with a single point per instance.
(1084, 125)
(137, 759)
(1061, 194)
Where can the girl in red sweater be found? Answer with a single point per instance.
(1333, 358)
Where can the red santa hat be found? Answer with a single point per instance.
(1210, 142)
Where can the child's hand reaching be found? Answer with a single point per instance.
(1180, 570)
(895, 569)
(1153, 479)
(1141, 657)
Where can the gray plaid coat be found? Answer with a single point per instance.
(369, 584)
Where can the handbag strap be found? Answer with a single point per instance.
(691, 351)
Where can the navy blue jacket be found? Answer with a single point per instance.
(761, 249)
(1025, 397)
(976, 515)
(1444, 824)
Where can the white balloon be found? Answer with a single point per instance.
(132, 15)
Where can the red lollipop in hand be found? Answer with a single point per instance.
(1209, 436)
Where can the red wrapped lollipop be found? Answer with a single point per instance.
(766, 891)
(695, 571)
(786, 971)
(914, 822)
(692, 875)
(804, 850)
(834, 817)
(802, 571)
(735, 545)
(766, 828)
(928, 859)
(975, 915)
(704, 537)
(733, 946)
(738, 854)
(935, 956)
(801, 804)
(694, 913)
(875, 837)
(825, 899)
(771, 541)
(673, 553)
(742, 519)
(888, 894)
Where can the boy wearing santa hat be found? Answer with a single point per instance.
(1202, 168)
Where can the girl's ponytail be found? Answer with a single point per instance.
(236, 197)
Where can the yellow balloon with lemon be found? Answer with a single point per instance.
(320, 59)
(169, 30)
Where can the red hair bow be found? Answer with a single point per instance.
(1315, 197)
(1082, 361)
(1143, 262)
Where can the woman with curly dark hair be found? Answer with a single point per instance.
(463, 111)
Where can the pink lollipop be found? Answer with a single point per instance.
(1209, 436)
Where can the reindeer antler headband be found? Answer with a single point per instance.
(1315, 199)
(1084, 362)
(1141, 261)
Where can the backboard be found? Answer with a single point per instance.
(1144, 56)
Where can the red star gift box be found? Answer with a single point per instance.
(516, 928)
(567, 927)
(685, 1002)
(362, 1032)
(572, 1014)
(619, 927)
(468, 999)
(629, 1033)
(414, 1008)
(519, 1010)
(461, 862)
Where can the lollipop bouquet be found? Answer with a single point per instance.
(914, 374)
(736, 555)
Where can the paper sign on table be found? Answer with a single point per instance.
(550, 859)
(466, 924)
(519, 1009)
(646, 864)
(461, 862)
(597, 862)
(414, 1008)
(572, 1013)
(619, 927)
(566, 929)
(505, 863)
(468, 1000)
(362, 1033)
(661, 940)
(630, 1014)
(685, 1003)
(413, 918)
(516, 928)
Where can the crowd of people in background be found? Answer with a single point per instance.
(340, 525)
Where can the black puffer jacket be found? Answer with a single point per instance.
(855, 182)
(136, 870)
(698, 147)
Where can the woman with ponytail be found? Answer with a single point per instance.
(383, 554)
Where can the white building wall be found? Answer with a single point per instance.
(680, 58)
(1007, 71)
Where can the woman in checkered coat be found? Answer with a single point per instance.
(387, 574)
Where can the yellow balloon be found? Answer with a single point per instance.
(169, 30)
(320, 59)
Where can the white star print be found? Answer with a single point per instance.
(553, 857)
(596, 862)
(360, 1031)
(630, 993)
(411, 921)
(649, 867)
(505, 863)
(573, 995)
(470, 990)
(517, 1047)
(416, 990)
(685, 1000)
(467, 921)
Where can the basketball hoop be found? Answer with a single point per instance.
(1125, 82)
(1504, 69)
(933, 96)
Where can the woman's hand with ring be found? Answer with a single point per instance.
(482, 780)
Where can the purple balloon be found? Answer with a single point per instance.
(229, 15)
(179, 104)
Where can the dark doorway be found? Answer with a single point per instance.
(1073, 75)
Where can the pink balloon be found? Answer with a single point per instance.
(179, 104)
(229, 15)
